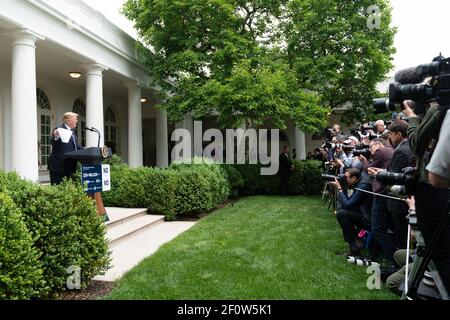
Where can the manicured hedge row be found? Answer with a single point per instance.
(189, 189)
(304, 180)
(179, 190)
(64, 228)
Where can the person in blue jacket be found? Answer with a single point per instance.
(354, 207)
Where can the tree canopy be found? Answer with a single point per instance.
(263, 60)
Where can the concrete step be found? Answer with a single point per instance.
(119, 216)
(124, 230)
(127, 253)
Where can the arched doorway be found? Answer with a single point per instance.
(79, 107)
(111, 130)
(44, 113)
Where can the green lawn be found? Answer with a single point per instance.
(263, 247)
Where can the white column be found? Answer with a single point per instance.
(135, 149)
(24, 138)
(300, 144)
(94, 103)
(188, 124)
(162, 147)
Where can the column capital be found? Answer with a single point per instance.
(24, 37)
(95, 69)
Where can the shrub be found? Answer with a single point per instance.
(234, 177)
(306, 178)
(115, 161)
(254, 182)
(149, 188)
(64, 226)
(20, 270)
(193, 194)
(183, 189)
(214, 173)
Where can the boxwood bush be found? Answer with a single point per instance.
(198, 186)
(150, 188)
(64, 226)
(20, 270)
(254, 182)
(235, 179)
(304, 180)
(181, 189)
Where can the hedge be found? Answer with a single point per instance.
(178, 190)
(150, 188)
(189, 189)
(20, 269)
(304, 180)
(64, 227)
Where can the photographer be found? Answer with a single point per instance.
(439, 166)
(439, 177)
(402, 158)
(382, 154)
(431, 203)
(381, 127)
(355, 208)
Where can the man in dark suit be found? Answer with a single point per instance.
(58, 166)
(286, 167)
(403, 157)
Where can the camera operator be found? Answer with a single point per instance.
(431, 203)
(382, 154)
(403, 157)
(337, 129)
(355, 208)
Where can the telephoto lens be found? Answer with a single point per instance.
(361, 261)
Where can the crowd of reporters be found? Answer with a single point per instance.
(363, 162)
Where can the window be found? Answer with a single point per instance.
(44, 127)
(111, 130)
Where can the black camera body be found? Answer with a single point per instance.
(408, 87)
(340, 177)
(408, 181)
(365, 152)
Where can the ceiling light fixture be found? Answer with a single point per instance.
(75, 74)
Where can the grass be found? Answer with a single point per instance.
(263, 247)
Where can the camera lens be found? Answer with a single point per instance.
(417, 92)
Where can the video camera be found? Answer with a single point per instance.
(408, 86)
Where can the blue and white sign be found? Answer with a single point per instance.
(106, 177)
(96, 178)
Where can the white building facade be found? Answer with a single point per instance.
(41, 44)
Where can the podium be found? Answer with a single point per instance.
(92, 156)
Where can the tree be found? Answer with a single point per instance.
(242, 59)
(334, 52)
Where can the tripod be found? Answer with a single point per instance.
(330, 197)
(423, 260)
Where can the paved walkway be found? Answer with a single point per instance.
(135, 235)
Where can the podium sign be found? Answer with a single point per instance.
(95, 178)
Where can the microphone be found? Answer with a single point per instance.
(407, 76)
(96, 131)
